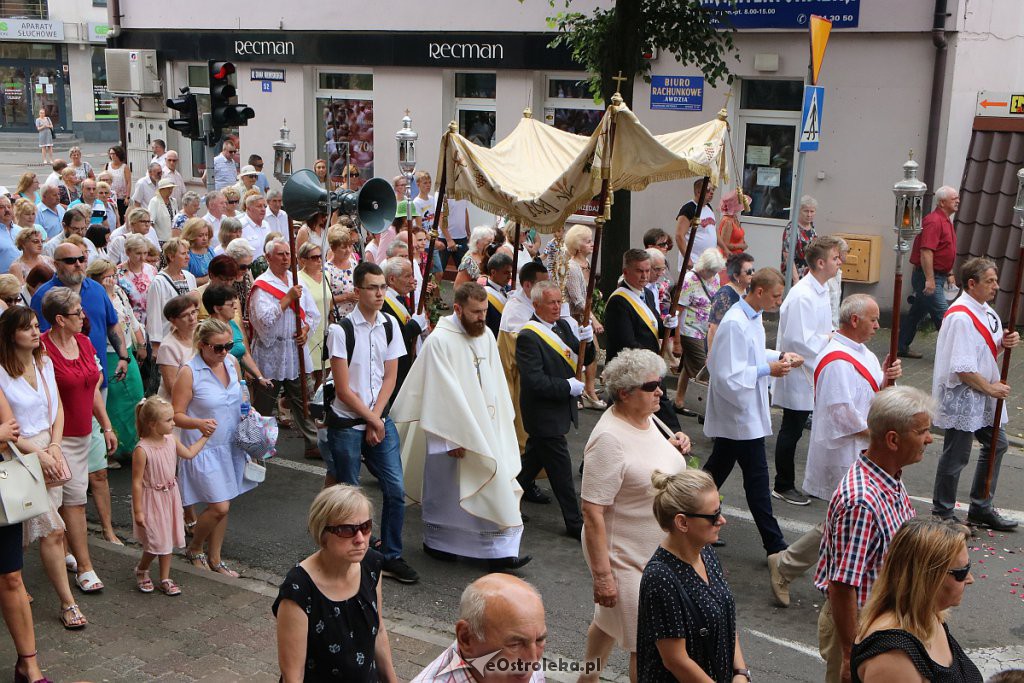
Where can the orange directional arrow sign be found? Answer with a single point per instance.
(987, 104)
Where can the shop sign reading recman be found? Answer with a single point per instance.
(1001, 104)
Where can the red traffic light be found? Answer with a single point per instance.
(220, 70)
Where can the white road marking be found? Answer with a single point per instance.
(318, 470)
(785, 523)
(791, 644)
(1015, 515)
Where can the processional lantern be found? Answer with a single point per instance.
(283, 151)
(909, 207)
(406, 138)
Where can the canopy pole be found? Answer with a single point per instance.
(294, 266)
(515, 256)
(678, 286)
(437, 218)
(604, 204)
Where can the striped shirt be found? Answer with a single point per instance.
(865, 511)
(450, 667)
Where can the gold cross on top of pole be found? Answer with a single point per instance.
(407, 112)
(618, 80)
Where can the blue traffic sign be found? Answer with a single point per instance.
(810, 118)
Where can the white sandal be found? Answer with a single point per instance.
(88, 582)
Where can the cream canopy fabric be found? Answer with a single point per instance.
(540, 175)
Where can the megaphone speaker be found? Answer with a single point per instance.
(375, 205)
(303, 197)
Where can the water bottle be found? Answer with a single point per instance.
(244, 391)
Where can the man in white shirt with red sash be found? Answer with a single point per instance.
(546, 354)
(966, 386)
(277, 343)
(499, 274)
(805, 327)
(846, 377)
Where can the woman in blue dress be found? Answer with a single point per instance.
(207, 400)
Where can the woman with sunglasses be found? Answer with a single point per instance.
(619, 534)
(687, 624)
(207, 400)
(339, 271)
(222, 303)
(903, 631)
(740, 268)
(232, 199)
(78, 373)
(30, 242)
(329, 607)
(311, 277)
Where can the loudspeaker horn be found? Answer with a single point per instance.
(374, 205)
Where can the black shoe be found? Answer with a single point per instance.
(908, 353)
(949, 518)
(684, 411)
(399, 570)
(991, 520)
(506, 564)
(792, 496)
(439, 554)
(533, 494)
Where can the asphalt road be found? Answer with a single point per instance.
(267, 533)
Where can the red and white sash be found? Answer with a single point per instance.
(844, 356)
(978, 325)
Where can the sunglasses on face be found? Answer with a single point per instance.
(222, 348)
(9, 300)
(663, 245)
(749, 271)
(712, 518)
(232, 201)
(960, 573)
(649, 387)
(72, 260)
(314, 257)
(349, 530)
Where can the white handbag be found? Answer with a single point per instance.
(22, 488)
(254, 472)
(697, 392)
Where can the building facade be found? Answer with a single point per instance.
(343, 92)
(51, 58)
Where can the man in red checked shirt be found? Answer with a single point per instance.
(867, 508)
(932, 256)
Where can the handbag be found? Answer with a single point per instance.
(254, 472)
(697, 392)
(256, 435)
(63, 470)
(22, 488)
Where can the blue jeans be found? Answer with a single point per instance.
(933, 304)
(344, 452)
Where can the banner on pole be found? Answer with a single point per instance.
(820, 30)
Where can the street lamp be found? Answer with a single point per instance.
(909, 214)
(406, 138)
(283, 150)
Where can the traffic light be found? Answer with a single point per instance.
(188, 124)
(224, 112)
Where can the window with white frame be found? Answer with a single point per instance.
(569, 106)
(476, 106)
(769, 117)
(344, 106)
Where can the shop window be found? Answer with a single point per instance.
(570, 107)
(344, 102)
(15, 50)
(768, 119)
(476, 106)
(104, 105)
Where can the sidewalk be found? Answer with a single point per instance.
(218, 629)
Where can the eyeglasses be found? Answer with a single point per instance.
(960, 573)
(663, 245)
(713, 518)
(649, 387)
(314, 257)
(232, 201)
(245, 266)
(350, 530)
(74, 314)
(145, 222)
(9, 300)
(72, 260)
(749, 271)
(222, 348)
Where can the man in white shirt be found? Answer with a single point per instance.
(277, 341)
(54, 178)
(740, 365)
(170, 170)
(846, 378)
(216, 204)
(458, 228)
(75, 222)
(276, 217)
(254, 228)
(364, 369)
(137, 221)
(159, 149)
(707, 230)
(146, 188)
(225, 171)
(805, 327)
(966, 386)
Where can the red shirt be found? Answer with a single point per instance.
(76, 382)
(936, 234)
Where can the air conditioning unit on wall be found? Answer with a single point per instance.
(132, 72)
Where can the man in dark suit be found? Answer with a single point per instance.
(631, 320)
(546, 354)
(400, 280)
(499, 274)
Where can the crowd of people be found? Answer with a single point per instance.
(168, 314)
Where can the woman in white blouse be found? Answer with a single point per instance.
(27, 379)
(174, 280)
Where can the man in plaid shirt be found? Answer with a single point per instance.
(866, 509)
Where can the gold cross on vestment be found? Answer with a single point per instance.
(618, 81)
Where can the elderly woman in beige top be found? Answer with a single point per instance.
(619, 530)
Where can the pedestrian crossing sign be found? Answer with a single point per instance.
(810, 120)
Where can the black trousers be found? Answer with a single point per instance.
(551, 453)
(793, 422)
(750, 456)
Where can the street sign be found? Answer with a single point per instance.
(1003, 104)
(677, 93)
(267, 86)
(810, 119)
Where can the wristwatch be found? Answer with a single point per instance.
(742, 672)
(124, 358)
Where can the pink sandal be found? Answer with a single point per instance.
(168, 587)
(142, 580)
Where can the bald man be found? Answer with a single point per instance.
(500, 631)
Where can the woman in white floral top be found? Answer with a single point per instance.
(699, 286)
(339, 271)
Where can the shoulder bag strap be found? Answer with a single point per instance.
(21, 459)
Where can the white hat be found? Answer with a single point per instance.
(248, 170)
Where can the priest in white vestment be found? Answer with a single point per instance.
(847, 377)
(459, 450)
(966, 386)
(805, 327)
